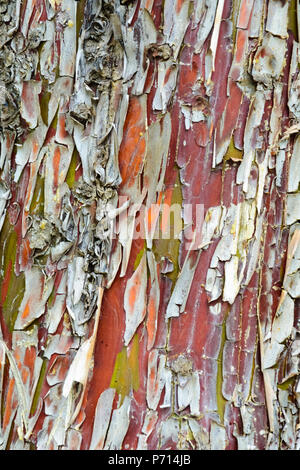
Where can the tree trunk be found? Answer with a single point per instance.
(149, 214)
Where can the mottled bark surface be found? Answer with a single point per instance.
(108, 109)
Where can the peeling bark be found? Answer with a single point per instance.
(113, 115)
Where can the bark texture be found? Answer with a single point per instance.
(112, 113)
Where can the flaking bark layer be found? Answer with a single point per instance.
(114, 113)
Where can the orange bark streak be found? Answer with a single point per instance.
(148, 4)
(56, 162)
(241, 40)
(26, 310)
(24, 252)
(179, 6)
(8, 403)
(167, 76)
(133, 145)
(151, 329)
(25, 375)
(245, 13)
(62, 128)
(133, 295)
(29, 358)
(35, 149)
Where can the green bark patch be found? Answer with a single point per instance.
(292, 18)
(37, 204)
(12, 286)
(79, 18)
(126, 372)
(169, 248)
(38, 389)
(44, 102)
(71, 175)
(139, 257)
(287, 384)
(233, 153)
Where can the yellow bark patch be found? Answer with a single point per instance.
(126, 372)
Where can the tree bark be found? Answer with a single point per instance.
(149, 215)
